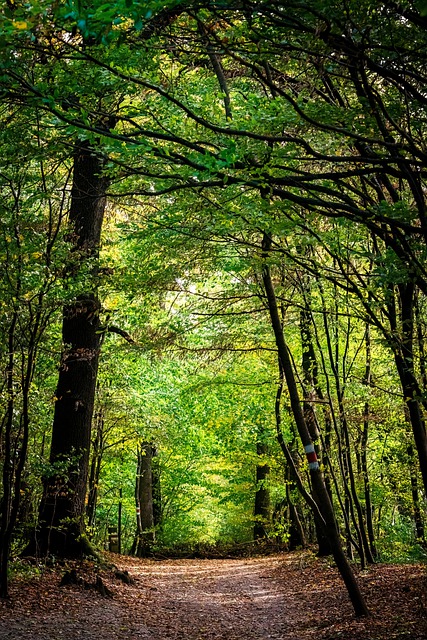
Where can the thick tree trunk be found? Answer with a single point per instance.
(61, 514)
(144, 501)
(319, 488)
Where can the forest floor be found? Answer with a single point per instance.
(289, 596)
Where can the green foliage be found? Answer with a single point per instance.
(205, 437)
(396, 541)
(324, 151)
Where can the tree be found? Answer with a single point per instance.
(304, 168)
(31, 249)
(339, 144)
(322, 499)
(61, 527)
(144, 499)
(262, 509)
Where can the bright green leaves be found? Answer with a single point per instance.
(106, 22)
(324, 148)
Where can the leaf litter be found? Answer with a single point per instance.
(288, 596)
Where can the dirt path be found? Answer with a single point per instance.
(284, 597)
(213, 599)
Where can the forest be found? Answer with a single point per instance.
(213, 299)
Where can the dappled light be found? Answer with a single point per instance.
(213, 319)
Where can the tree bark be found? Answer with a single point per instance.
(95, 468)
(262, 510)
(310, 376)
(364, 448)
(401, 343)
(144, 501)
(319, 488)
(61, 514)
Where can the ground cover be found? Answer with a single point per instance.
(289, 596)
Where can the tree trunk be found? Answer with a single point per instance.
(352, 509)
(157, 490)
(15, 444)
(297, 537)
(310, 377)
(61, 514)
(262, 510)
(318, 483)
(144, 501)
(95, 468)
(6, 526)
(416, 506)
(364, 448)
(402, 345)
(413, 472)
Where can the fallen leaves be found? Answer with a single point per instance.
(284, 597)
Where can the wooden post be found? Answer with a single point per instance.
(119, 528)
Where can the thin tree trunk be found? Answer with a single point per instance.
(417, 511)
(297, 537)
(95, 469)
(156, 489)
(416, 506)
(364, 447)
(262, 509)
(23, 342)
(402, 346)
(352, 504)
(15, 449)
(318, 484)
(6, 503)
(310, 377)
